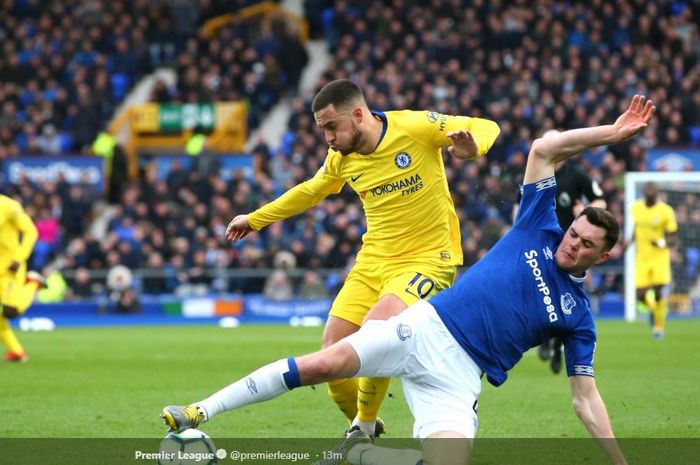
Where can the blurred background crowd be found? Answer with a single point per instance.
(531, 66)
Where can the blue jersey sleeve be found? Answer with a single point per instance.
(579, 348)
(538, 206)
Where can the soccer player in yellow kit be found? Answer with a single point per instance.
(655, 231)
(411, 249)
(18, 234)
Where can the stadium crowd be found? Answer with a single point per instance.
(66, 66)
(530, 67)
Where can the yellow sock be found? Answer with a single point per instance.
(344, 393)
(660, 310)
(370, 396)
(650, 302)
(8, 337)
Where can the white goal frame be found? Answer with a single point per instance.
(631, 180)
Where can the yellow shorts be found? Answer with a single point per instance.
(649, 273)
(369, 282)
(11, 287)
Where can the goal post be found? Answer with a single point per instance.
(681, 190)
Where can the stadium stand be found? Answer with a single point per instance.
(529, 67)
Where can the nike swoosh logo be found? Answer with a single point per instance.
(355, 178)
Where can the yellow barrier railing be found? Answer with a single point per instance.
(265, 9)
(138, 127)
(143, 127)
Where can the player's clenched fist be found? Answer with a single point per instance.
(238, 228)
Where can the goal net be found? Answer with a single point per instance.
(681, 190)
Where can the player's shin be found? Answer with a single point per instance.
(660, 310)
(8, 338)
(650, 302)
(263, 384)
(343, 391)
(370, 395)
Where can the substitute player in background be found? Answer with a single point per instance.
(18, 234)
(655, 231)
(527, 288)
(575, 191)
(411, 249)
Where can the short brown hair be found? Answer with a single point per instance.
(339, 93)
(604, 219)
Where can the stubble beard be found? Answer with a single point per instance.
(355, 142)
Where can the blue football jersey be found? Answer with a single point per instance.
(516, 297)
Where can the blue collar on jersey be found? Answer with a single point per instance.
(381, 116)
(578, 279)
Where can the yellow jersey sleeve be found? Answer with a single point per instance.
(302, 196)
(433, 127)
(15, 224)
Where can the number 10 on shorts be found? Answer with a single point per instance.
(420, 286)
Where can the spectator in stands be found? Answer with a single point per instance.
(278, 287)
(81, 286)
(312, 287)
(56, 286)
(49, 237)
(120, 287)
(522, 61)
(293, 56)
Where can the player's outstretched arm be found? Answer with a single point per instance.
(590, 408)
(296, 200)
(545, 152)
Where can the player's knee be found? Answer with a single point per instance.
(10, 312)
(328, 340)
(324, 368)
(340, 361)
(336, 329)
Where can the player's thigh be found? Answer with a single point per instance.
(660, 273)
(11, 286)
(388, 305)
(359, 293)
(644, 273)
(446, 448)
(413, 282)
(336, 329)
(443, 383)
(385, 347)
(6, 283)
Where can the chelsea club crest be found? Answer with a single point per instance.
(402, 160)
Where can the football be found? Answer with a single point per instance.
(189, 447)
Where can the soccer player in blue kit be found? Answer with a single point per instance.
(528, 288)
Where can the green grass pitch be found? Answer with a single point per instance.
(113, 382)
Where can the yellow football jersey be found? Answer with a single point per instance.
(13, 223)
(650, 224)
(402, 186)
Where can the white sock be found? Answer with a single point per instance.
(263, 384)
(369, 454)
(367, 427)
